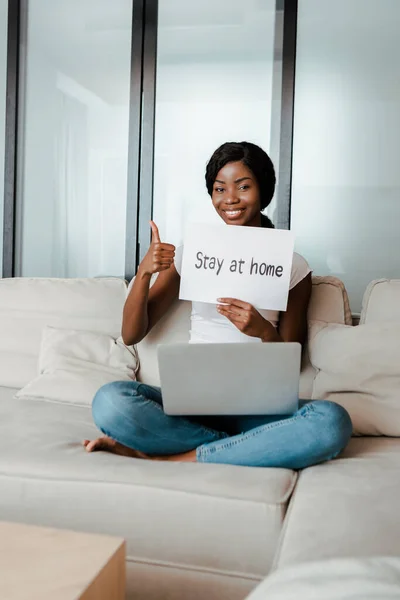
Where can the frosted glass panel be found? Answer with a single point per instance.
(72, 193)
(214, 84)
(3, 68)
(346, 176)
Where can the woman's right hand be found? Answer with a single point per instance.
(159, 256)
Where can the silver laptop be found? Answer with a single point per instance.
(230, 379)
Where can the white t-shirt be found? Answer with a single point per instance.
(208, 326)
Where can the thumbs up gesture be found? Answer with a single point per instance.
(159, 256)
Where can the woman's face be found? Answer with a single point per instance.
(236, 195)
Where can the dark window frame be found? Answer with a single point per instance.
(148, 127)
(284, 86)
(11, 136)
(135, 142)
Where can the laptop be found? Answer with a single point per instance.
(230, 379)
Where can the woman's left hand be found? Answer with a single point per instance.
(247, 319)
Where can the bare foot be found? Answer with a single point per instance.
(108, 445)
(185, 457)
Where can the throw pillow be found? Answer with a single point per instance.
(74, 364)
(359, 368)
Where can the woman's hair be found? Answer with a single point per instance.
(255, 159)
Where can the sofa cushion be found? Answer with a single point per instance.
(381, 301)
(347, 507)
(27, 305)
(358, 367)
(217, 518)
(329, 302)
(74, 365)
(376, 578)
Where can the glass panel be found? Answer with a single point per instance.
(73, 183)
(3, 73)
(346, 176)
(214, 84)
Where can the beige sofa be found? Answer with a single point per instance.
(193, 531)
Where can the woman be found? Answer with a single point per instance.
(240, 179)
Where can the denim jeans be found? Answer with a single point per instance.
(131, 413)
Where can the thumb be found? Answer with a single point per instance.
(155, 238)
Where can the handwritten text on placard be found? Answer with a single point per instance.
(249, 263)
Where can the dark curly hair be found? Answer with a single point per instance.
(255, 159)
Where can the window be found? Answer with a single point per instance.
(346, 176)
(214, 84)
(74, 115)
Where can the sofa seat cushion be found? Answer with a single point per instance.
(376, 578)
(347, 507)
(218, 518)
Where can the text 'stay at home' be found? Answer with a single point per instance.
(213, 263)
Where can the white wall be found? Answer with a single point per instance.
(346, 176)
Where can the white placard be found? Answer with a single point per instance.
(252, 264)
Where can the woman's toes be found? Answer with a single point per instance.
(93, 445)
(89, 446)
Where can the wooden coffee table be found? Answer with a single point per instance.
(39, 563)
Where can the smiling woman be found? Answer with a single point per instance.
(240, 178)
(233, 196)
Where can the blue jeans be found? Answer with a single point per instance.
(131, 413)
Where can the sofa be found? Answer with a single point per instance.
(193, 531)
(360, 578)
